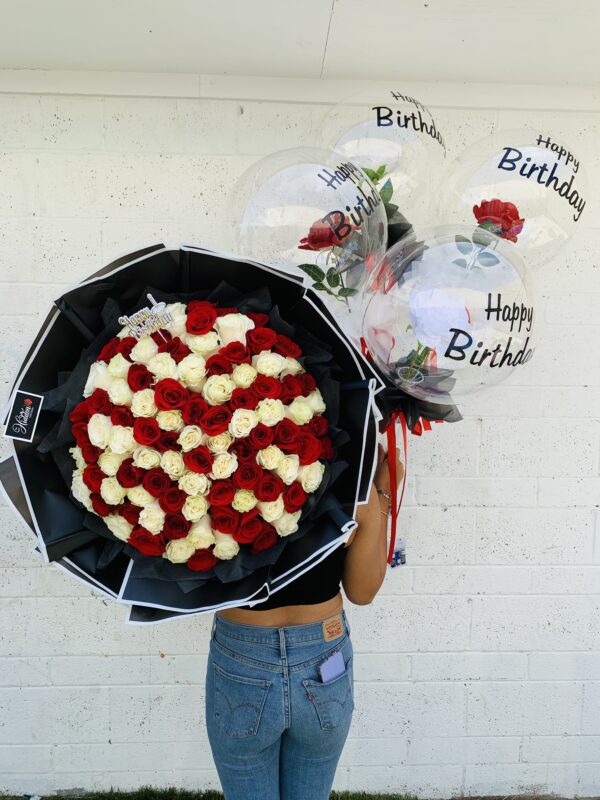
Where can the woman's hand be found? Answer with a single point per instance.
(381, 479)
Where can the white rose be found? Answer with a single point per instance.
(224, 465)
(118, 366)
(194, 507)
(243, 375)
(119, 393)
(80, 491)
(268, 363)
(205, 345)
(112, 492)
(299, 411)
(118, 526)
(242, 421)
(142, 403)
(292, 367)
(218, 389)
(146, 457)
(270, 412)
(201, 534)
(316, 402)
(172, 463)
(190, 437)
(140, 497)
(219, 443)
(287, 523)
(288, 468)
(178, 312)
(121, 439)
(99, 378)
(152, 518)
(191, 371)
(99, 428)
(178, 551)
(170, 420)
(311, 475)
(226, 547)
(110, 462)
(233, 328)
(244, 500)
(270, 457)
(272, 510)
(194, 483)
(144, 350)
(78, 458)
(162, 366)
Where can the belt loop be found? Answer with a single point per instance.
(282, 651)
(214, 625)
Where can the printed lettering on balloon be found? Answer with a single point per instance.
(385, 116)
(341, 221)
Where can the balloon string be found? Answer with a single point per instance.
(395, 502)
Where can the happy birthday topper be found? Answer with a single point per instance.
(148, 320)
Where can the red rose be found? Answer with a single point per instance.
(161, 336)
(194, 408)
(259, 320)
(172, 500)
(126, 346)
(290, 388)
(177, 349)
(250, 525)
(236, 352)
(265, 539)
(167, 441)
(261, 436)
(121, 415)
(110, 349)
(93, 476)
(224, 519)
(199, 459)
(268, 487)
(318, 425)
(326, 448)
(307, 382)
(100, 507)
(243, 450)
(130, 512)
(500, 218)
(266, 387)
(139, 377)
(170, 394)
(322, 235)
(308, 447)
(156, 482)
(202, 560)
(176, 526)
(243, 398)
(247, 475)
(218, 365)
(286, 435)
(147, 543)
(81, 413)
(98, 402)
(90, 453)
(80, 432)
(286, 347)
(221, 494)
(129, 475)
(259, 339)
(294, 497)
(215, 420)
(221, 312)
(201, 316)
(146, 430)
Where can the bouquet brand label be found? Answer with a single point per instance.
(147, 320)
(23, 417)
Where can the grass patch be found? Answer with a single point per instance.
(150, 793)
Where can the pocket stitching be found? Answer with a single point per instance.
(263, 684)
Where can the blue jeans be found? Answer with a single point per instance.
(276, 731)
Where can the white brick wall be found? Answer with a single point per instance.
(478, 665)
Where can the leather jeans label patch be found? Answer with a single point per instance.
(333, 628)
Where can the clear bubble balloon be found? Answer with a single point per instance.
(449, 313)
(397, 141)
(526, 186)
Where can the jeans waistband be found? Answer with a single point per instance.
(323, 630)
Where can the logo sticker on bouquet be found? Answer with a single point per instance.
(23, 416)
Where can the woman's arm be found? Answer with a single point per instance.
(366, 559)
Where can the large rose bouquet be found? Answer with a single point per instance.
(200, 438)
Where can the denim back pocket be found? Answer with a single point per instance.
(238, 703)
(333, 701)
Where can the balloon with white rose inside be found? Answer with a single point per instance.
(527, 186)
(449, 314)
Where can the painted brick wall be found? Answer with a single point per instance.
(478, 665)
